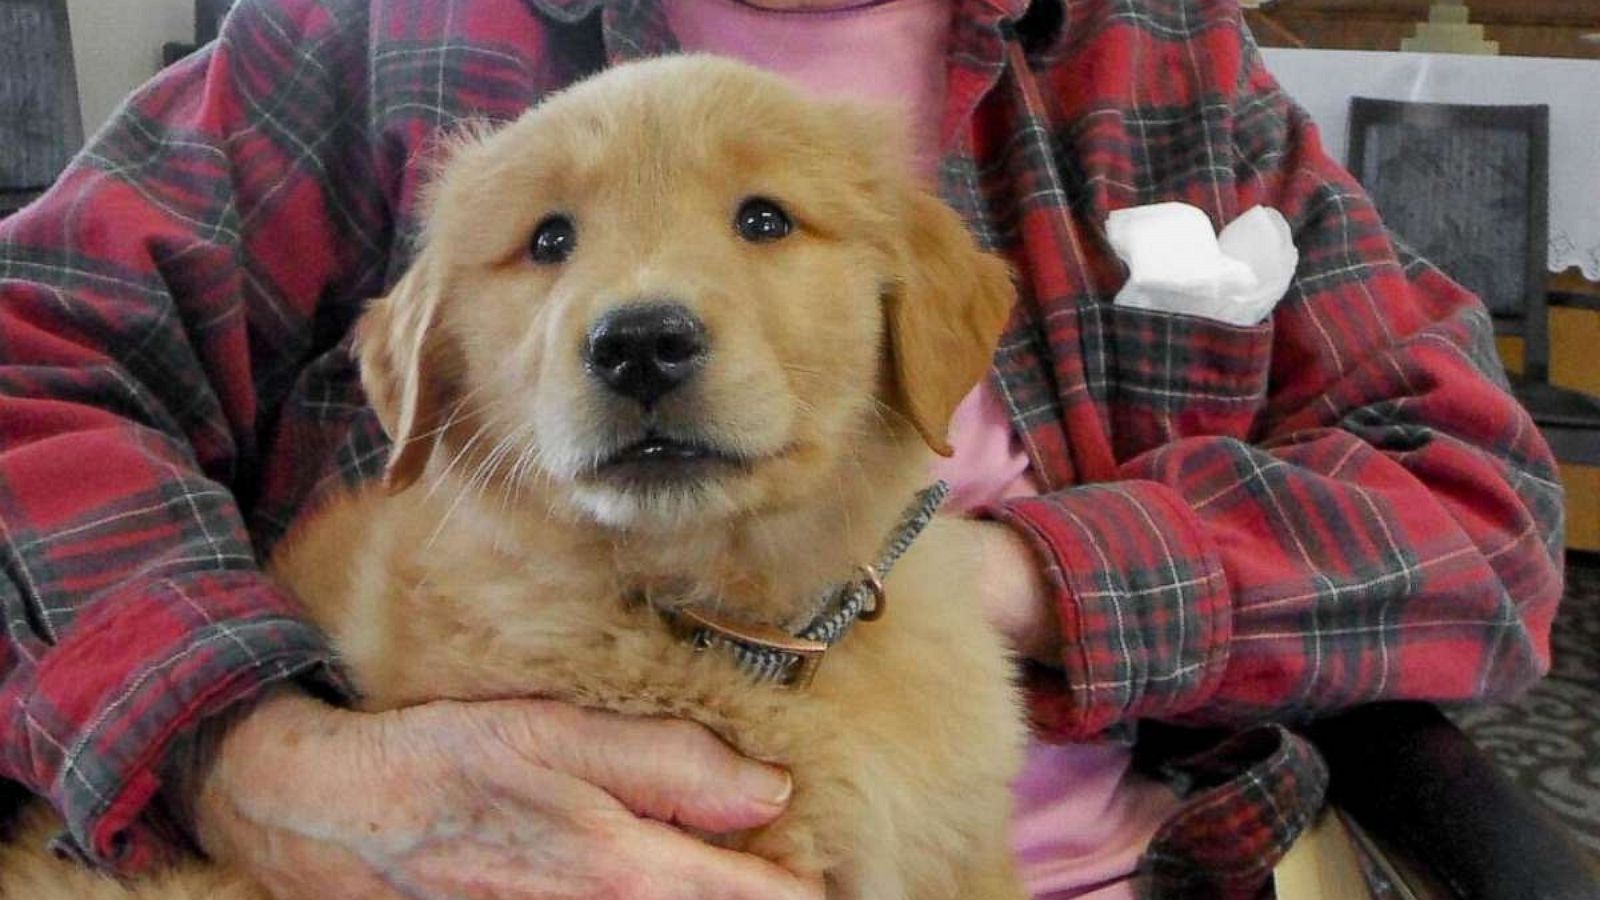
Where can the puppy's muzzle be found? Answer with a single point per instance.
(645, 351)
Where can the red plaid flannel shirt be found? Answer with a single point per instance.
(1243, 525)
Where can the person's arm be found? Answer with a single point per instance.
(1392, 530)
(152, 306)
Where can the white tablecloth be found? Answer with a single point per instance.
(1323, 81)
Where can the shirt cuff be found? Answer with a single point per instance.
(1143, 601)
(138, 669)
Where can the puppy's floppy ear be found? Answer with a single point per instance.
(945, 316)
(401, 368)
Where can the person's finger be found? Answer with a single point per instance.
(665, 769)
(681, 866)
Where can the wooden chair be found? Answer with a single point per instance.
(1468, 187)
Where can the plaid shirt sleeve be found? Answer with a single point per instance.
(151, 304)
(1341, 505)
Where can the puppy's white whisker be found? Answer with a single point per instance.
(803, 370)
(511, 485)
(444, 476)
(460, 454)
(483, 476)
(519, 471)
(484, 469)
(879, 408)
(455, 412)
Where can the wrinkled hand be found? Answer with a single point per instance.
(1014, 596)
(504, 799)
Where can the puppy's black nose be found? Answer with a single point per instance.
(643, 352)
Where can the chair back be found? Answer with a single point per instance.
(1468, 188)
(40, 127)
(208, 16)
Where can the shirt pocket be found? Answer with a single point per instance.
(1173, 376)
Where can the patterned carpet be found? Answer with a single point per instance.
(1550, 740)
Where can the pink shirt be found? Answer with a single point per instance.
(1083, 819)
(902, 42)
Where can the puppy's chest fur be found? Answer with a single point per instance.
(900, 748)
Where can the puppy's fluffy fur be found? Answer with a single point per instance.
(500, 559)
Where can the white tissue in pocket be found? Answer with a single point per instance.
(1177, 264)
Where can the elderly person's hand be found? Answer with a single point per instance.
(1013, 589)
(504, 799)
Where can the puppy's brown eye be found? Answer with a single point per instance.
(760, 220)
(553, 241)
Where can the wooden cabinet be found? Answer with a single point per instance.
(1574, 337)
(1583, 507)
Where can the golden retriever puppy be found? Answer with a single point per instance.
(665, 376)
